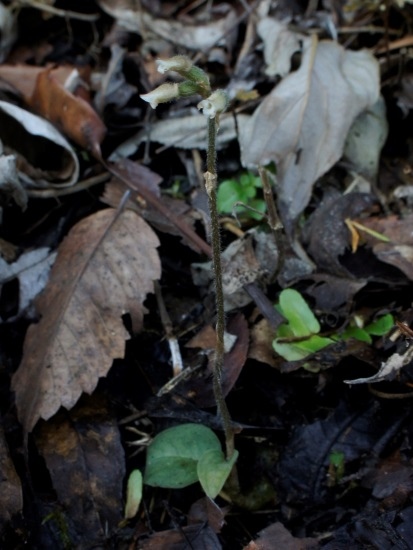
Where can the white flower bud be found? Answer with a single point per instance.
(161, 94)
(215, 104)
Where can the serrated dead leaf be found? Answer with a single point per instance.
(105, 268)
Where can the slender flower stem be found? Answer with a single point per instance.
(211, 189)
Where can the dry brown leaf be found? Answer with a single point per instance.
(285, 540)
(73, 115)
(23, 78)
(303, 123)
(105, 268)
(399, 251)
(86, 463)
(27, 136)
(11, 502)
(262, 335)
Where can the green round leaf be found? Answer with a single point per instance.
(133, 494)
(294, 308)
(381, 326)
(289, 352)
(173, 455)
(295, 351)
(229, 192)
(213, 471)
(360, 334)
(172, 472)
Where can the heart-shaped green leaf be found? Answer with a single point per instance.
(173, 455)
(213, 471)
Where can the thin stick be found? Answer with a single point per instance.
(177, 365)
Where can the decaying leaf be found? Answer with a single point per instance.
(105, 268)
(23, 77)
(115, 190)
(207, 511)
(10, 186)
(51, 93)
(195, 37)
(188, 132)
(365, 140)
(72, 114)
(279, 45)
(86, 463)
(353, 431)
(200, 389)
(262, 336)
(399, 251)
(197, 535)
(246, 260)
(303, 123)
(8, 30)
(11, 501)
(388, 370)
(285, 540)
(32, 270)
(27, 136)
(113, 89)
(327, 233)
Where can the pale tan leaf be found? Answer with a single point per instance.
(303, 123)
(279, 45)
(105, 268)
(200, 37)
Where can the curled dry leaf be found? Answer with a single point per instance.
(73, 115)
(279, 45)
(10, 186)
(303, 123)
(32, 270)
(27, 136)
(105, 268)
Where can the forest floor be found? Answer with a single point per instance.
(110, 436)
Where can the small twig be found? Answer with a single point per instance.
(177, 366)
(272, 216)
(79, 186)
(67, 14)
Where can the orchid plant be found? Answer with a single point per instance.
(213, 103)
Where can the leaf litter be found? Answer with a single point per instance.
(104, 269)
(315, 95)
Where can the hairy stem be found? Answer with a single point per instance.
(211, 189)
